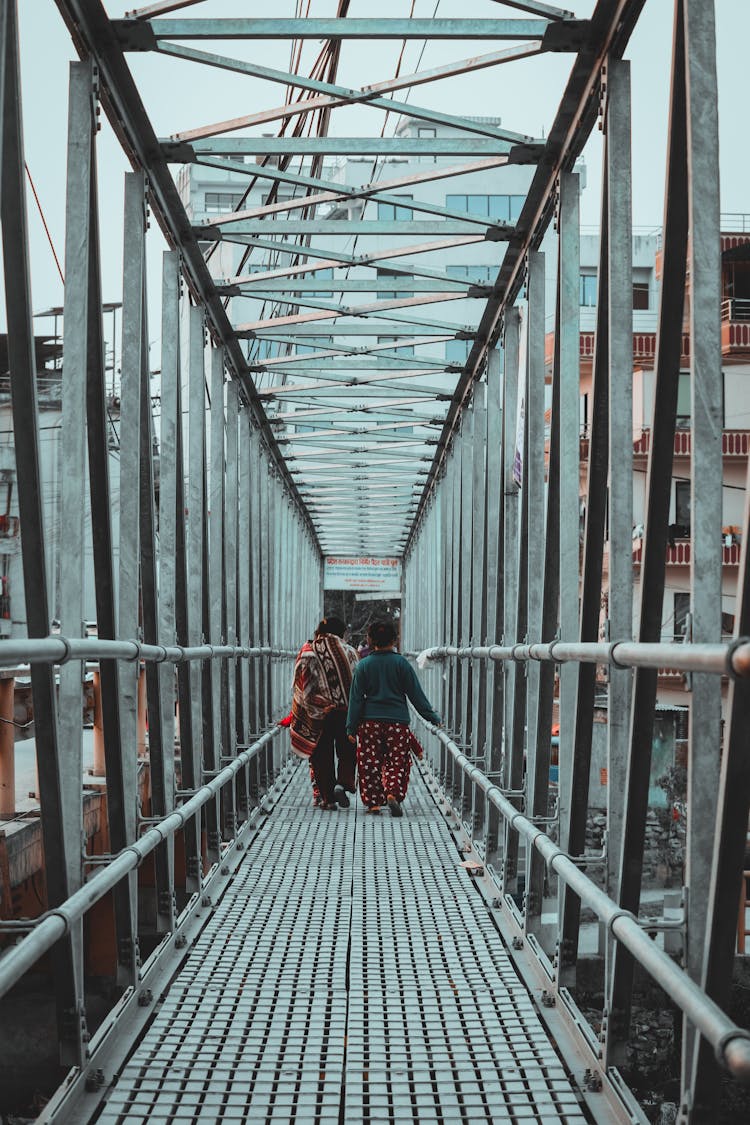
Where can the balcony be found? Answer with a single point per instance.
(735, 326)
(734, 443)
(678, 552)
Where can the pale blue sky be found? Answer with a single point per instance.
(525, 94)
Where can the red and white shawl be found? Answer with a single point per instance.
(322, 679)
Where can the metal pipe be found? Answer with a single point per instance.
(56, 923)
(59, 650)
(7, 750)
(731, 658)
(730, 1042)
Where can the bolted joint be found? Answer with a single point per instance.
(129, 953)
(180, 941)
(548, 999)
(95, 1080)
(206, 902)
(194, 867)
(145, 998)
(517, 942)
(592, 1081)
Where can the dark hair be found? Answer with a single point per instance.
(331, 625)
(382, 634)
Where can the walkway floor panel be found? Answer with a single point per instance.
(350, 972)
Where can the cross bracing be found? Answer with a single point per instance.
(321, 393)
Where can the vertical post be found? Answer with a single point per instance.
(134, 265)
(479, 595)
(109, 757)
(495, 608)
(576, 795)
(196, 417)
(570, 376)
(7, 752)
(519, 618)
(620, 336)
(538, 780)
(168, 492)
(706, 399)
(658, 487)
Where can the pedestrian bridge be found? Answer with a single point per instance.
(281, 391)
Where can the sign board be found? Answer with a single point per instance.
(368, 575)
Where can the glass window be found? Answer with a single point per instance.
(640, 294)
(477, 273)
(423, 131)
(683, 400)
(500, 207)
(392, 294)
(457, 351)
(402, 349)
(681, 611)
(389, 212)
(478, 204)
(456, 203)
(321, 275)
(681, 526)
(588, 290)
(516, 206)
(219, 202)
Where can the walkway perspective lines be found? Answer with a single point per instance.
(349, 973)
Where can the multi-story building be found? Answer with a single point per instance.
(493, 195)
(672, 698)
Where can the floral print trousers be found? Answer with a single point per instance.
(383, 760)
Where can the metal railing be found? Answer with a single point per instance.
(730, 1043)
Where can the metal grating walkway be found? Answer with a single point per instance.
(349, 973)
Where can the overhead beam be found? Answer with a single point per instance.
(363, 228)
(179, 152)
(138, 36)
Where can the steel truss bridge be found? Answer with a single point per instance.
(265, 962)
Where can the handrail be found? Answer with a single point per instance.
(56, 923)
(731, 1043)
(59, 650)
(729, 659)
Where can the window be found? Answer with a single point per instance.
(322, 275)
(219, 202)
(684, 407)
(391, 211)
(457, 351)
(478, 274)
(640, 295)
(303, 345)
(395, 294)
(683, 400)
(588, 290)
(681, 526)
(680, 615)
(403, 349)
(500, 208)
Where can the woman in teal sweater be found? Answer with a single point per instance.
(379, 720)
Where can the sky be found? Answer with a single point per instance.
(525, 95)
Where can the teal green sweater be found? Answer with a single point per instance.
(382, 683)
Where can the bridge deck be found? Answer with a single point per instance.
(349, 973)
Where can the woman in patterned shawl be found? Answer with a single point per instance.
(322, 680)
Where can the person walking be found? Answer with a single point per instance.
(378, 720)
(320, 696)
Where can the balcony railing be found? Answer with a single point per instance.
(678, 554)
(734, 443)
(735, 308)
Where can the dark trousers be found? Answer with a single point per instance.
(333, 736)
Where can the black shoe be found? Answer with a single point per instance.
(395, 807)
(340, 797)
(329, 806)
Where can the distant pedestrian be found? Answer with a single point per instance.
(322, 681)
(379, 720)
